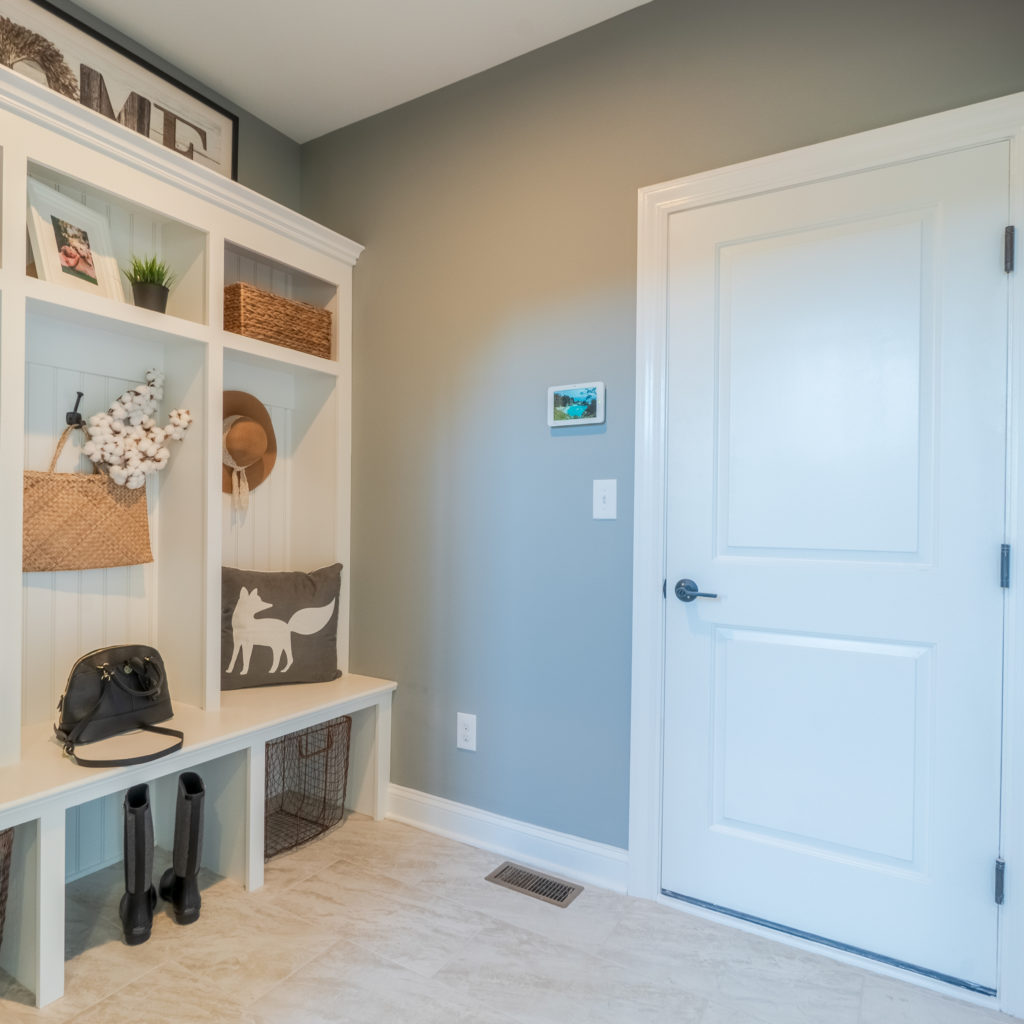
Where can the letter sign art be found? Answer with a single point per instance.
(57, 51)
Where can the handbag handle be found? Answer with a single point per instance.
(143, 668)
(60, 445)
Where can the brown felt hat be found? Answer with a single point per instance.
(249, 439)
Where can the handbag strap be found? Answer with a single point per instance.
(121, 762)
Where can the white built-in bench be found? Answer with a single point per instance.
(227, 747)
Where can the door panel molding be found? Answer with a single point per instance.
(995, 120)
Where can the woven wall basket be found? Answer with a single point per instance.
(82, 521)
(268, 317)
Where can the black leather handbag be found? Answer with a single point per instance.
(111, 691)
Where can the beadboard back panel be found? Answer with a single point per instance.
(93, 836)
(260, 537)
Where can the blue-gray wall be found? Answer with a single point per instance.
(499, 216)
(268, 162)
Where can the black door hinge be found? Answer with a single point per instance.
(664, 588)
(1004, 566)
(1008, 248)
(1000, 880)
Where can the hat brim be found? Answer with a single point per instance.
(241, 403)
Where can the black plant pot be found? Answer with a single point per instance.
(150, 296)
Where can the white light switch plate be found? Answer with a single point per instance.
(605, 499)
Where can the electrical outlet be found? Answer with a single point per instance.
(465, 731)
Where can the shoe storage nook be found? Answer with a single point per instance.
(57, 339)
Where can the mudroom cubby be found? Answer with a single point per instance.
(57, 340)
(67, 352)
(272, 275)
(137, 230)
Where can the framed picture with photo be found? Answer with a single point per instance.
(575, 405)
(71, 243)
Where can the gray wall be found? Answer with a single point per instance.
(499, 216)
(268, 162)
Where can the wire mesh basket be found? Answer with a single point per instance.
(6, 846)
(306, 776)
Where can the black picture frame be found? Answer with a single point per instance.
(161, 108)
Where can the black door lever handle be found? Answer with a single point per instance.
(687, 590)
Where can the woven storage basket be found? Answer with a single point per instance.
(82, 521)
(268, 317)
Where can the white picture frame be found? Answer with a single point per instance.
(576, 405)
(71, 244)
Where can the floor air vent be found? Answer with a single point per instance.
(541, 887)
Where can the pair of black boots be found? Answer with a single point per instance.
(178, 884)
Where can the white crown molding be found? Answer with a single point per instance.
(575, 859)
(42, 106)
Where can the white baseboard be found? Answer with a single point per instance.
(574, 859)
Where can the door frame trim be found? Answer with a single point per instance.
(994, 120)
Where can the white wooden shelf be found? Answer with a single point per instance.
(56, 340)
(264, 353)
(119, 317)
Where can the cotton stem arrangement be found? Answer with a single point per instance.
(126, 440)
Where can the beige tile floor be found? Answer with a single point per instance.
(379, 922)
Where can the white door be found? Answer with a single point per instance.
(837, 392)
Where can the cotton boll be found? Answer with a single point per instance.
(119, 475)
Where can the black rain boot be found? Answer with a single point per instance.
(139, 897)
(178, 884)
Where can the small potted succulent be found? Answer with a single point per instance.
(151, 280)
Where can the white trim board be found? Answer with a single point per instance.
(572, 858)
(994, 120)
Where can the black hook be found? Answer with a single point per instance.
(74, 418)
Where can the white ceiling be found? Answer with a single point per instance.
(310, 66)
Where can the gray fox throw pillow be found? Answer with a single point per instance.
(278, 627)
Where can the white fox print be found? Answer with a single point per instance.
(248, 632)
